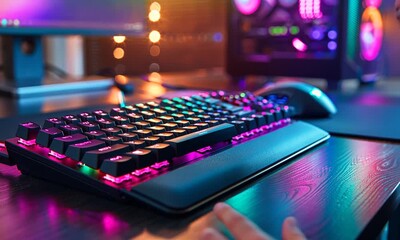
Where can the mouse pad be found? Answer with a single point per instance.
(368, 115)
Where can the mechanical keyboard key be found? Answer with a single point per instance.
(193, 141)
(60, 144)
(127, 137)
(95, 158)
(70, 129)
(118, 166)
(28, 130)
(112, 140)
(142, 158)
(86, 117)
(163, 151)
(96, 134)
(53, 122)
(240, 126)
(136, 144)
(127, 128)
(77, 150)
(46, 136)
(88, 126)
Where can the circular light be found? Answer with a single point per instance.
(371, 33)
(155, 6)
(247, 7)
(332, 34)
(332, 45)
(154, 67)
(118, 53)
(155, 50)
(154, 36)
(154, 15)
(119, 39)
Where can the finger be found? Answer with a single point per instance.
(291, 231)
(239, 226)
(211, 234)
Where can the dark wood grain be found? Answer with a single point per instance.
(344, 189)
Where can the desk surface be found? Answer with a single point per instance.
(343, 189)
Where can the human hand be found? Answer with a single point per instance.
(241, 228)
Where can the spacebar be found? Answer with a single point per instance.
(184, 188)
(196, 140)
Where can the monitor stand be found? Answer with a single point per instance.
(25, 76)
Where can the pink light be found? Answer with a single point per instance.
(247, 7)
(119, 179)
(142, 171)
(2, 145)
(160, 165)
(371, 35)
(373, 3)
(27, 142)
(299, 45)
(56, 155)
(310, 9)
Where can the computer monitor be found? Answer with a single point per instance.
(23, 23)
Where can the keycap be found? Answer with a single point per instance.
(70, 119)
(70, 129)
(135, 144)
(240, 126)
(118, 165)
(105, 123)
(163, 151)
(142, 158)
(112, 131)
(127, 128)
(76, 151)
(127, 137)
(60, 144)
(28, 130)
(53, 122)
(112, 140)
(86, 117)
(193, 141)
(46, 136)
(95, 158)
(88, 126)
(96, 134)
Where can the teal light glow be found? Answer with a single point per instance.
(352, 28)
(316, 92)
(3, 22)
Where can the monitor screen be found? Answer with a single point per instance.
(88, 17)
(23, 23)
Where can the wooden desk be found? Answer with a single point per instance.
(343, 189)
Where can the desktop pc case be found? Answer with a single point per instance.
(330, 39)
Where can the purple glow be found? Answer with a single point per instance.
(27, 142)
(332, 34)
(119, 179)
(332, 45)
(299, 45)
(56, 155)
(310, 9)
(247, 7)
(317, 34)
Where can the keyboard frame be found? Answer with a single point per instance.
(38, 164)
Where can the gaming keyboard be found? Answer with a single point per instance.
(172, 154)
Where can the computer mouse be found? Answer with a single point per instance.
(308, 100)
